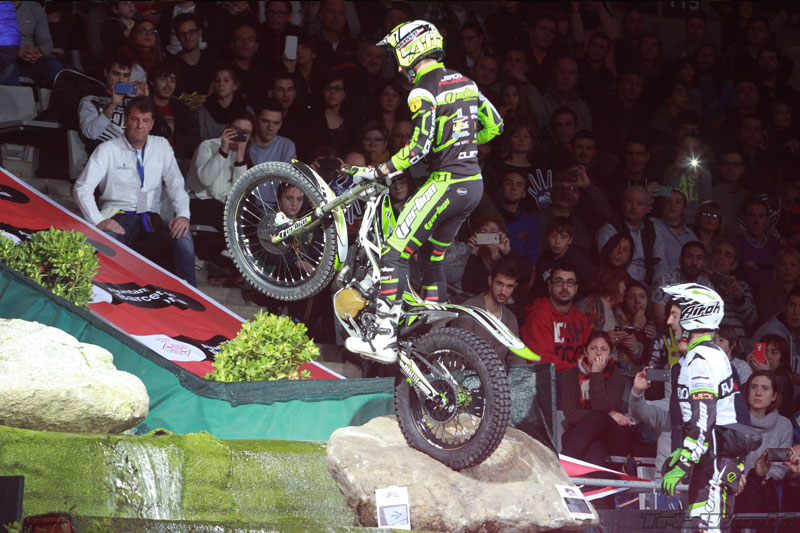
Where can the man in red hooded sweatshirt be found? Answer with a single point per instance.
(553, 328)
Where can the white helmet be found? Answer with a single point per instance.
(701, 307)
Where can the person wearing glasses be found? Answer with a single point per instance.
(195, 67)
(375, 142)
(144, 47)
(728, 193)
(333, 124)
(553, 327)
(273, 32)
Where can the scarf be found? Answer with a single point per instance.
(222, 115)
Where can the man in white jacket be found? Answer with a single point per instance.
(129, 172)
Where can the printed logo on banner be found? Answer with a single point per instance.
(171, 349)
(210, 347)
(148, 296)
(16, 234)
(13, 195)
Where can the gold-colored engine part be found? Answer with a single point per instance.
(348, 303)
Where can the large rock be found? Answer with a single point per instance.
(513, 490)
(50, 381)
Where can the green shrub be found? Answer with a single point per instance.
(59, 260)
(267, 348)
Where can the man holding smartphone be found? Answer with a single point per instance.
(706, 394)
(102, 117)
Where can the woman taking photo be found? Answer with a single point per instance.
(222, 106)
(762, 396)
(591, 397)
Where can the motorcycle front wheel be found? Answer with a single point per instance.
(265, 199)
(467, 425)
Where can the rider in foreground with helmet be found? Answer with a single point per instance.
(706, 394)
(451, 117)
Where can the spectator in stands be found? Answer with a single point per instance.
(515, 105)
(224, 103)
(386, 106)
(591, 397)
(787, 325)
(244, 46)
(684, 72)
(708, 224)
(541, 37)
(558, 247)
(692, 263)
(267, 145)
(636, 308)
(35, 57)
(632, 171)
(485, 75)
(207, 16)
(562, 93)
(9, 40)
(674, 232)
(472, 46)
(196, 68)
(216, 165)
(689, 175)
(602, 308)
(332, 43)
(650, 63)
(506, 27)
(744, 59)
(782, 131)
(740, 308)
(717, 96)
(763, 477)
(273, 32)
(375, 141)
(173, 120)
(308, 76)
(771, 298)
(618, 250)
(758, 249)
(102, 117)
(664, 119)
(729, 193)
(520, 141)
(553, 327)
(627, 48)
(562, 128)
(778, 361)
(564, 200)
(618, 115)
(284, 90)
(117, 28)
(333, 124)
(523, 228)
(368, 71)
(648, 251)
(791, 490)
(595, 80)
(130, 200)
(695, 27)
(771, 79)
(727, 339)
(144, 48)
(503, 281)
(484, 257)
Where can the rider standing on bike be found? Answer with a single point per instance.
(451, 117)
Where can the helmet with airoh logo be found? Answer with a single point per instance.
(412, 42)
(701, 308)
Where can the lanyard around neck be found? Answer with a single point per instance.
(140, 165)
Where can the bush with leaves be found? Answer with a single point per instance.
(59, 260)
(269, 347)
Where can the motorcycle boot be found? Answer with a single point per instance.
(383, 346)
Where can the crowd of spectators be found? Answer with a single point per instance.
(624, 166)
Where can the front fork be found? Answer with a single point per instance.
(417, 380)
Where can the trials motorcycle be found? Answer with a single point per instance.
(452, 397)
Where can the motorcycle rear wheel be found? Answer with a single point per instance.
(469, 427)
(293, 270)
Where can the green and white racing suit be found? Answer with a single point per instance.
(450, 117)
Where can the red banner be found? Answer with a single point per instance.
(136, 296)
(578, 468)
